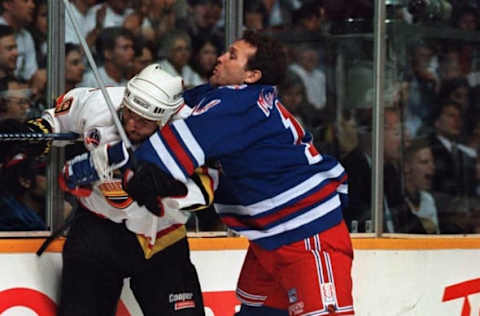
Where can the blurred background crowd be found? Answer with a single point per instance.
(431, 98)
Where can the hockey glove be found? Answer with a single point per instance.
(77, 173)
(148, 184)
(32, 148)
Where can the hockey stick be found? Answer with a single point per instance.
(5, 137)
(83, 43)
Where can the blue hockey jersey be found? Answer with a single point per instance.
(274, 188)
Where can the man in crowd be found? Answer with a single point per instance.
(18, 14)
(8, 51)
(274, 187)
(113, 237)
(115, 49)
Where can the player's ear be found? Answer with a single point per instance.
(253, 76)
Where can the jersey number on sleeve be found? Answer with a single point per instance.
(298, 133)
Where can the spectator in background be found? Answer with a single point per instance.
(151, 20)
(19, 14)
(465, 17)
(423, 81)
(396, 138)
(22, 182)
(293, 95)
(255, 15)
(15, 100)
(449, 64)
(455, 162)
(39, 29)
(144, 55)
(357, 163)
(74, 66)
(306, 66)
(74, 70)
(205, 53)
(279, 12)
(418, 212)
(459, 91)
(177, 46)
(116, 12)
(8, 51)
(309, 17)
(115, 50)
(203, 18)
(22, 198)
(80, 11)
(422, 201)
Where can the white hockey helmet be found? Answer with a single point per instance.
(154, 94)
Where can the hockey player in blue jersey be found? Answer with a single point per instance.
(274, 187)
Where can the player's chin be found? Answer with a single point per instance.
(136, 139)
(215, 80)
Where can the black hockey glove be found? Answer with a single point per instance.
(32, 148)
(148, 184)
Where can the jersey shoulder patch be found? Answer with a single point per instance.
(265, 101)
(63, 105)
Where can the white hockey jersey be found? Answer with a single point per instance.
(85, 111)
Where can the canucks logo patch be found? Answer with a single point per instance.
(114, 194)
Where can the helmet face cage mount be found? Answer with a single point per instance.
(154, 94)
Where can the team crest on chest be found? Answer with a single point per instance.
(114, 193)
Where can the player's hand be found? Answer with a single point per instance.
(79, 171)
(148, 184)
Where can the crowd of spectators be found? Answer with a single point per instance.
(432, 106)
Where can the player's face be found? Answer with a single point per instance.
(231, 66)
(136, 127)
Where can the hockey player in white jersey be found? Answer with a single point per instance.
(113, 237)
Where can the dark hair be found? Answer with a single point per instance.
(6, 30)
(197, 44)
(290, 79)
(4, 82)
(438, 110)
(306, 11)
(450, 85)
(140, 43)
(270, 57)
(415, 145)
(108, 39)
(256, 6)
(71, 47)
(462, 10)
